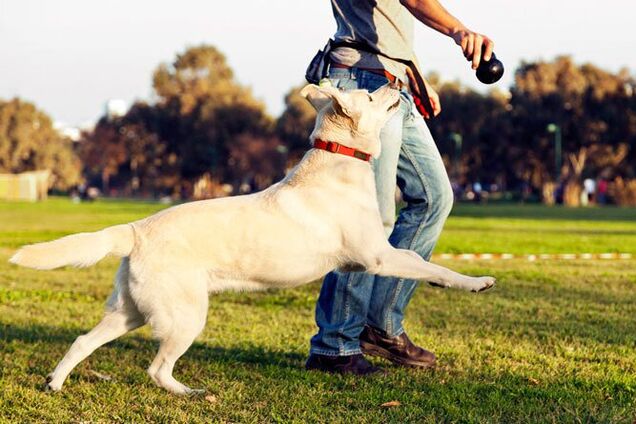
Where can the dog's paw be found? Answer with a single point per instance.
(183, 390)
(49, 386)
(484, 283)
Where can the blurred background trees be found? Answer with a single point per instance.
(128, 153)
(183, 144)
(204, 135)
(28, 142)
(295, 124)
(560, 123)
(590, 109)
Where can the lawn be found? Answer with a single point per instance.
(555, 341)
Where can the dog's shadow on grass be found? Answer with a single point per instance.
(62, 338)
(277, 371)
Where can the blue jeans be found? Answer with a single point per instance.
(409, 156)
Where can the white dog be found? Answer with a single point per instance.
(322, 216)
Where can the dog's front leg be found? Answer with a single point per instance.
(408, 264)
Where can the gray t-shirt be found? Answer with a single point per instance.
(384, 25)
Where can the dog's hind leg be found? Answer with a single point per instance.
(176, 323)
(121, 317)
(408, 264)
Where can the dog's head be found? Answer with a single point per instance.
(353, 118)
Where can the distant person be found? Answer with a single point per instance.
(478, 190)
(602, 191)
(92, 193)
(526, 191)
(81, 189)
(589, 186)
(457, 189)
(559, 192)
(356, 312)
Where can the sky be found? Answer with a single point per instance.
(70, 56)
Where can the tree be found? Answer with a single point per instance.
(502, 138)
(255, 160)
(295, 124)
(473, 133)
(186, 138)
(589, 105)
(131, 150)
(29, 142)
(206, 109)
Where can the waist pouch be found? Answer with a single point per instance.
(319, 68)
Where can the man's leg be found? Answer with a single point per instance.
(428, 194)
(343, 303)
(341, 313)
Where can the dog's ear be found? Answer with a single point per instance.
(319, 97)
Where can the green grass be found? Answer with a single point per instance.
(553, 342)
(539, 229)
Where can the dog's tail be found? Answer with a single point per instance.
(80, 250)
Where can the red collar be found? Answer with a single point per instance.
(333, 147)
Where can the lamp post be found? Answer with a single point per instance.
(457, 139)
(556, 130)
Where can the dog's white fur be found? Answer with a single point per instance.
(322, 216)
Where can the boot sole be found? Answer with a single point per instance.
(375, 350)
(375, 371)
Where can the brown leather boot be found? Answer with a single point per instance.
(399, 350)
(352, 364)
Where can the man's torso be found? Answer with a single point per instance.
(383, 25)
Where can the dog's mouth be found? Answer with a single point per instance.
(395, 104)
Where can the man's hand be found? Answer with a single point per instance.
(433, 97)
(434, 15)
(473, 44)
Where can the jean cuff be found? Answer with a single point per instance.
(396, 333)
(324, 352)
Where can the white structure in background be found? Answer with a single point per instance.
(31, 186)
(115, 108)
(72, 133)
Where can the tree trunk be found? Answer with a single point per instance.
(547, 193)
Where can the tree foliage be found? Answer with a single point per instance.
(296, 123)
(129, 152)
(29, 142)
(472, 132)
(205, 129)
(187, 134)
(506, 138)
(207, 109)
(590, 105)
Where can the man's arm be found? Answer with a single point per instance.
(433, 14)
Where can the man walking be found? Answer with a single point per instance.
(358, 313)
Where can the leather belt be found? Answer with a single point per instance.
(398, 83)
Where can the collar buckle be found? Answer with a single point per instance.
(335, 147)
(332, 147)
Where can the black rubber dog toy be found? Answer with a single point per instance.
(490, 71)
